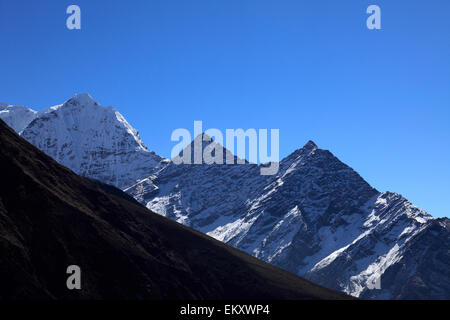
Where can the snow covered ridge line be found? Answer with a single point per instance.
(213, 153)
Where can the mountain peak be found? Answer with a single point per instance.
(17, 117)
(203, 141)
(82, 99)
(310, 145)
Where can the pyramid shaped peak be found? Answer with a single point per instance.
(202, 140)
(310, 145)
(82, 99)
(203, 136)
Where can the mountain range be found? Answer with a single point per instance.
(317, 217)
(51, 218)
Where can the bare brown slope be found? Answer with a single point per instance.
(51, 218)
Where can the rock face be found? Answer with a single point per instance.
(423, 271)
(92, 140)
(316, 217)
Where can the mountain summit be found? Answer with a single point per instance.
(310, 145)
(83, 99)
(17, 117)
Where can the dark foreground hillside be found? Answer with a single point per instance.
(51, 218)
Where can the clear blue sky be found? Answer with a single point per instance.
(379, 100)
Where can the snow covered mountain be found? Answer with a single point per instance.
(316, 217)
(92, 140)
(17, 117)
